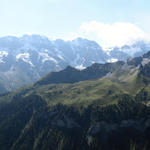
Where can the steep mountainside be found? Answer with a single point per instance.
(26, 59)
(71, 75)
(108, 112)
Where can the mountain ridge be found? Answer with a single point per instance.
(24, 60)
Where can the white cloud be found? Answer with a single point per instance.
(110, 35)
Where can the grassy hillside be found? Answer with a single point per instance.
(103, 91)
(109, 113)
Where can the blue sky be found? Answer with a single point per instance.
(71, 18)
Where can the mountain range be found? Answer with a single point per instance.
(103, 107)
(24, 60)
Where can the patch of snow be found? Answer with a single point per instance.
(46, 57)
(108, 53)
(61, 57)
(93, 62)
(145, 61)
(80, 67)
(108, 49)
(46, 50)
(25, 57)
(112, 60)
(2, 55)
(59, 54)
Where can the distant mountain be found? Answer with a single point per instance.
(26, 59)
(116, 55)
(138, 48)
(109, 109)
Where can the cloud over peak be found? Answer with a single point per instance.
(110, 35)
